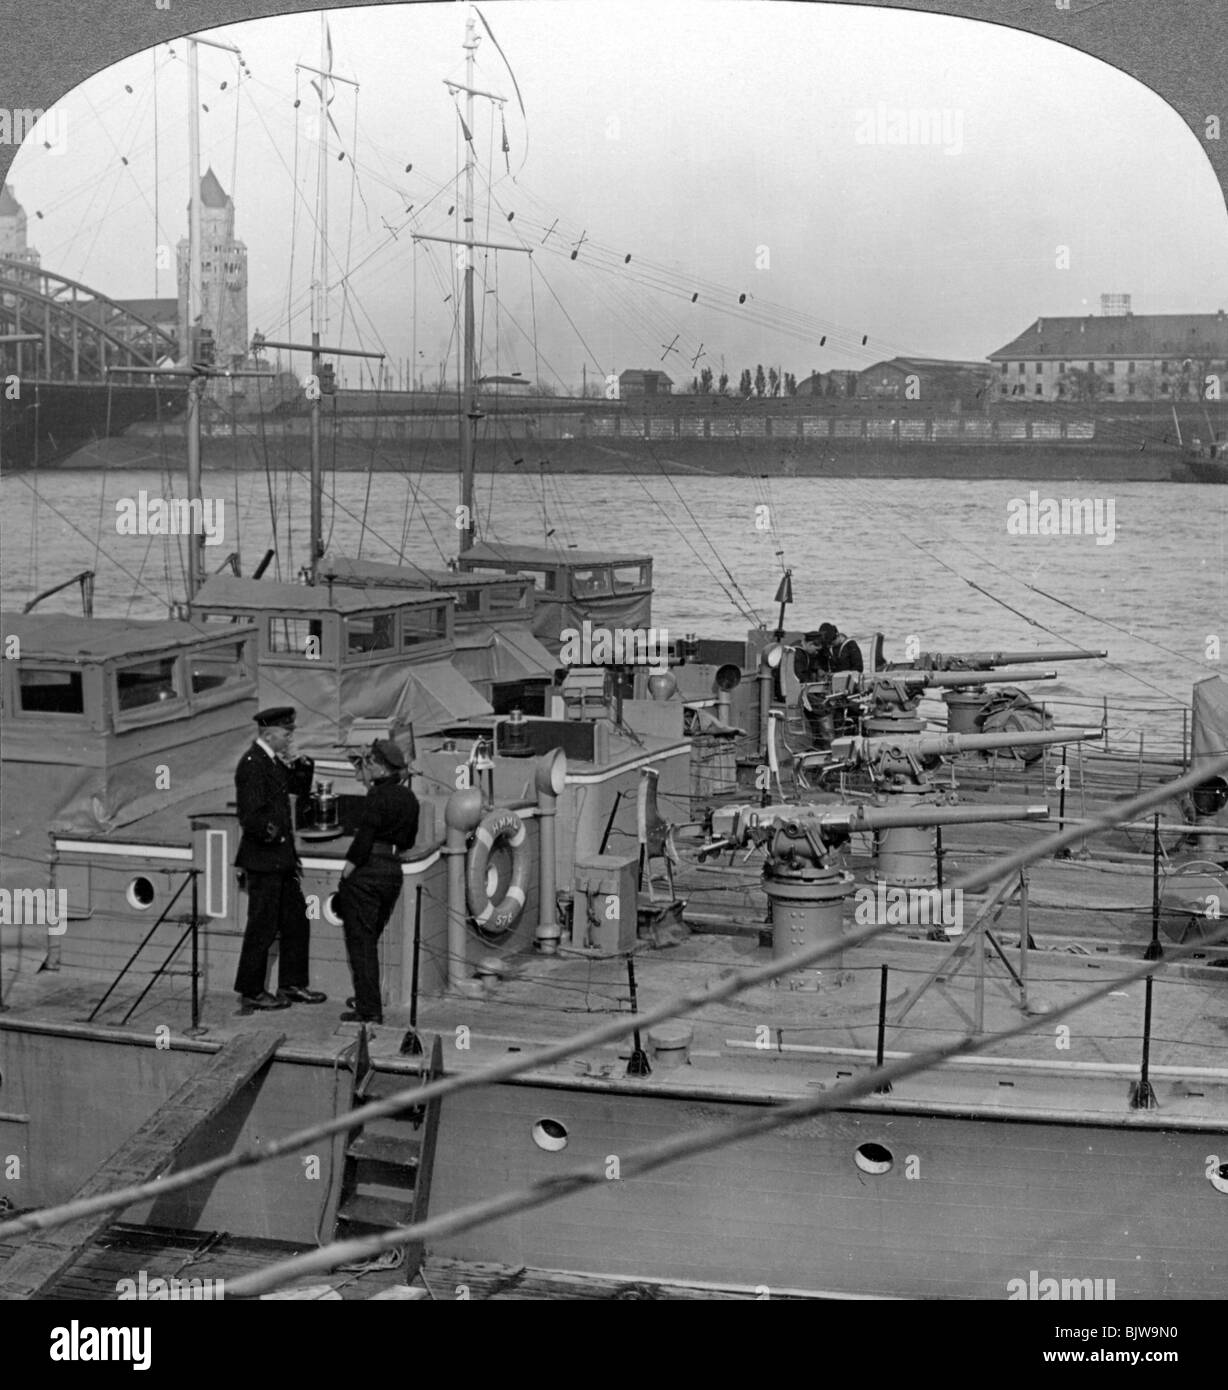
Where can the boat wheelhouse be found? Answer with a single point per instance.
(105, 719)
(340, 655)
(608, 589)
(494, 646)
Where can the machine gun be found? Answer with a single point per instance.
(807, 891)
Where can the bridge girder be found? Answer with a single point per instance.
(81, 331)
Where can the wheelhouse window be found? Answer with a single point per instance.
(547, 581)
(291, 635)
(218, 667)
(419, 625)
(373, 632)
(590, 583)
(509, 598)
(147, 683)
(628, 578)
(468, 600)
(49, 691)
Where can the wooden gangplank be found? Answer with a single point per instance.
(42, 1259)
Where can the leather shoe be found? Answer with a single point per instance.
(353, 1016)
(297, 995)
(262, 1001)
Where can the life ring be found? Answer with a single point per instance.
(508, 827)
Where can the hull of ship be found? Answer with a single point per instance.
(55, 419)
(1207, 470)
(975, 1205)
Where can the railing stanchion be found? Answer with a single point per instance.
(1144, 1097)
(1155, 950)
(195, 1030)
(885, 1088)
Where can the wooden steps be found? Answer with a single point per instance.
(46, 1255)
(386, 1180)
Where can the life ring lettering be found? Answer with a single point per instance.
(505, 826)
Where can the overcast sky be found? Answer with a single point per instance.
(729, 147)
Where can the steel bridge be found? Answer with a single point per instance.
(56, 329)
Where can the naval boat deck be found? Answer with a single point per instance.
(773, 1042)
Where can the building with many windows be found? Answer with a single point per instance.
(1122, 356)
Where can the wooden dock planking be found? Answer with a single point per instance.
(47, 1255)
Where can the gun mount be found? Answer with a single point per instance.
(806, 890)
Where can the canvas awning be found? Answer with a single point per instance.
(436, 695)
(501, 654)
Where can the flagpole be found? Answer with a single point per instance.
(326, 64)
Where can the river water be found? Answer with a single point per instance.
(930, 559)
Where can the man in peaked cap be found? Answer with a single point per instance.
(371, 880)
(266, 778)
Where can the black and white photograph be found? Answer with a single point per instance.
(613, 688)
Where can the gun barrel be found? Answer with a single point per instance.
(929, 676)
(884, 818)
(934, 745)
(733, 823)
(947, 661)
(1012, 675)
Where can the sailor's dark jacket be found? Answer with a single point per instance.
(264, 786)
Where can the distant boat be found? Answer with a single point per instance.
(1208, 462)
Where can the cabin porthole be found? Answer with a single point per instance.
(140, 893)
(550, 1135)
(330, 910)
(873, 1158)
(1219, 1178)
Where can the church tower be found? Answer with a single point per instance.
(223, 276)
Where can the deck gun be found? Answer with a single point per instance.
(883, 701)
(896, 768)
(972, 707)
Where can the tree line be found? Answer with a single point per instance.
(772, 382)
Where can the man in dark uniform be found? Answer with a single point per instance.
(265, 779)
(371, 879)
(839, 652)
